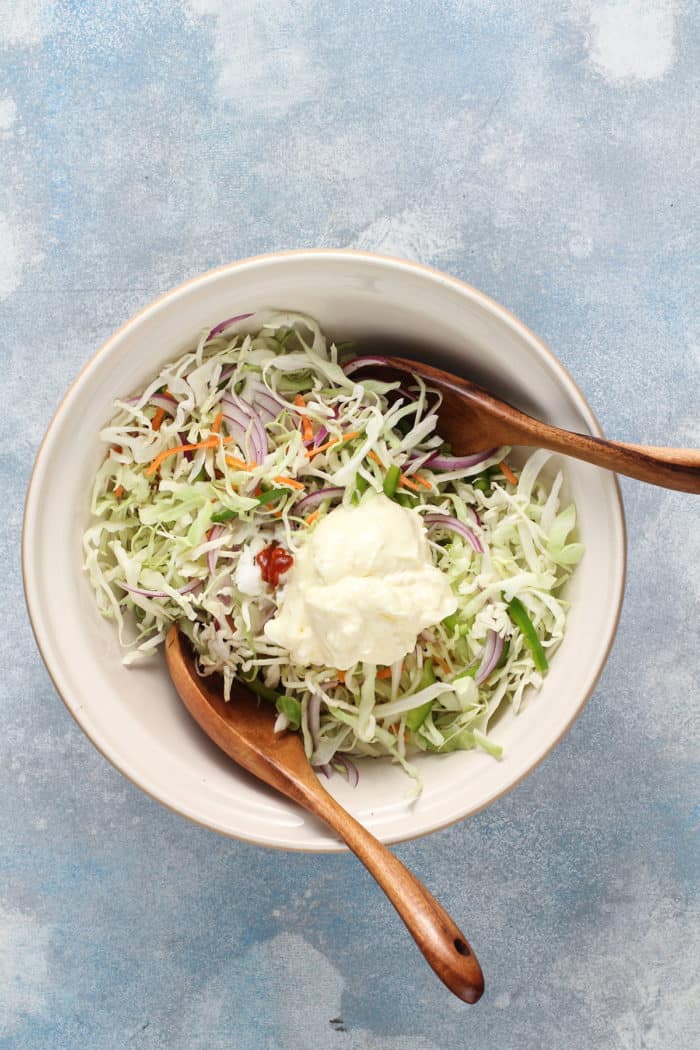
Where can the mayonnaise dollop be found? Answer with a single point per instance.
(361, 588)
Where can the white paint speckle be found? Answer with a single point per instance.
(580, 246)
(418, 234)
(265, 64)
(8, 114)
(302, 992)
(21, 23)
(632, 39)
(24, 970)
(17, 252)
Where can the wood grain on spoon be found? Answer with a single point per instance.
(471, 419)
(244, 729)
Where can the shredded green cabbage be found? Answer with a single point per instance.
(178, 542)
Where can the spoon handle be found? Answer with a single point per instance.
(671, 468)
(443, 944)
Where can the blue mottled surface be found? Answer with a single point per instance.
(543, 151)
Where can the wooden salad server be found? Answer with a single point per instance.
(244, 729)
(471, 419)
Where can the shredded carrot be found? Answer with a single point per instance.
(282, 480)
(422, 481)
(211, 442)
(374, 457)
(119, 491)
(443, 665)
(239, 464)
(306, 428)
(408, 483)
(341, 674)
(385, 672)
(158, 419)
(311, 452)
(216, 425)
(311, 518)
(508, 473)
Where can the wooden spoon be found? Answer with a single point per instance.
(244, 729)
(471, 419)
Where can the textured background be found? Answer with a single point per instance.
(545, 152)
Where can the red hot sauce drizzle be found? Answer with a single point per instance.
(274, 561)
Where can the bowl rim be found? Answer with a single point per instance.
(391, 262)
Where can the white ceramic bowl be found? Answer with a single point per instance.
(134, 716)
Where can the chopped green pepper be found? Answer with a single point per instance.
(287, 705)
(223, 515)
(519, 616)
(271, 495)
(260, 689)
(482, 482)
(391, 481)
(416, 717)
(361, 483)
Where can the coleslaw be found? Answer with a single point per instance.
(218, 472)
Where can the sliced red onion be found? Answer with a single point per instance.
(160, 594)
(320, 437)
(364, 362)
(313, 718)
(266, 402)
(445, 521)
(348, 766)
(215, 533)
(264, 413)
(317, 439)
(326, 769)
(223, 325)
(307, 503)
(245, 426)
(493, 650)
(188, 453)
(440, 462)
